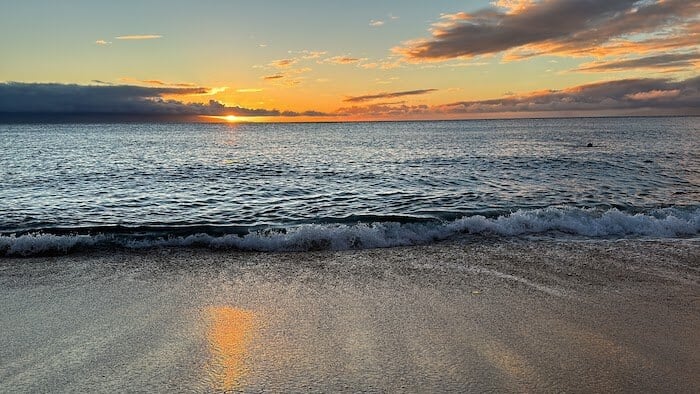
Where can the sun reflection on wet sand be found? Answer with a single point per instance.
(230, 331)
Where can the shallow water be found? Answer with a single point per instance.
(499, 316)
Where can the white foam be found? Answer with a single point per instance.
(662, 223)
(38, 243)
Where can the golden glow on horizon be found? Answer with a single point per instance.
(229, 334)
(416, 67)
(229, 119)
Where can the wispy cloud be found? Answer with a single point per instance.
(283, 63)
(387, 95)
(312, 54)
(249, 90)
(343, 60)
(562, 27)
(139, 37)
(307, 54)
(103, 42)
(671, 61)
(156, 82)
(382, 22)
(288, 78)
(387, 64)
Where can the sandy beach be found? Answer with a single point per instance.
(494, 315)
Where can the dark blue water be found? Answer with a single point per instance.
(295, 186)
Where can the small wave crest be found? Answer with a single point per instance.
(555, 221)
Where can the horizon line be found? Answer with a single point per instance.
(106, 118)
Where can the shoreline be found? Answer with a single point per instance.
(502, 314)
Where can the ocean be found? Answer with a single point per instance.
(473, 256)
(337, 186)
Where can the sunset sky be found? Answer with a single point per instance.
(306, 60)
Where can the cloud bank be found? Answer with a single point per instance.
(24, 99)
(625, 96)
(641, 96)
(644, 96)
(563, 27)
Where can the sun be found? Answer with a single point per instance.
(229, 119)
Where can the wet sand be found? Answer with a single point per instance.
(493, 315)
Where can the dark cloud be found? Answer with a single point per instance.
(359, 99)
(273, 77)
(304, 113)
(658, 62)
(649, 95)
(552, 26)
(43, 99)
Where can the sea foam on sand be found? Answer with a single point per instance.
(498, 315)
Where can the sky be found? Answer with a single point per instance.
(332, 60)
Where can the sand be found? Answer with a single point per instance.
(469, 316)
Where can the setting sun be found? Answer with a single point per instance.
(231, 119)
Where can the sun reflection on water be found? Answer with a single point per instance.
(229, 334)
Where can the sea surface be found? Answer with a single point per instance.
(296, 187)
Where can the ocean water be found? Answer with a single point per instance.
(268, 187)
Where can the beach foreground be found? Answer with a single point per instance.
(493, 315)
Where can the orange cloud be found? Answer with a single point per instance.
(672, 61)
(560, 27)
(157, 82)
(682, 37)
(514, 6)
(139, 37)
(283, 63)
(343, 60)
(654, 94)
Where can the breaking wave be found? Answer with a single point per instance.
(553, 221)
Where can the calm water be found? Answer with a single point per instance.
(179, 180)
